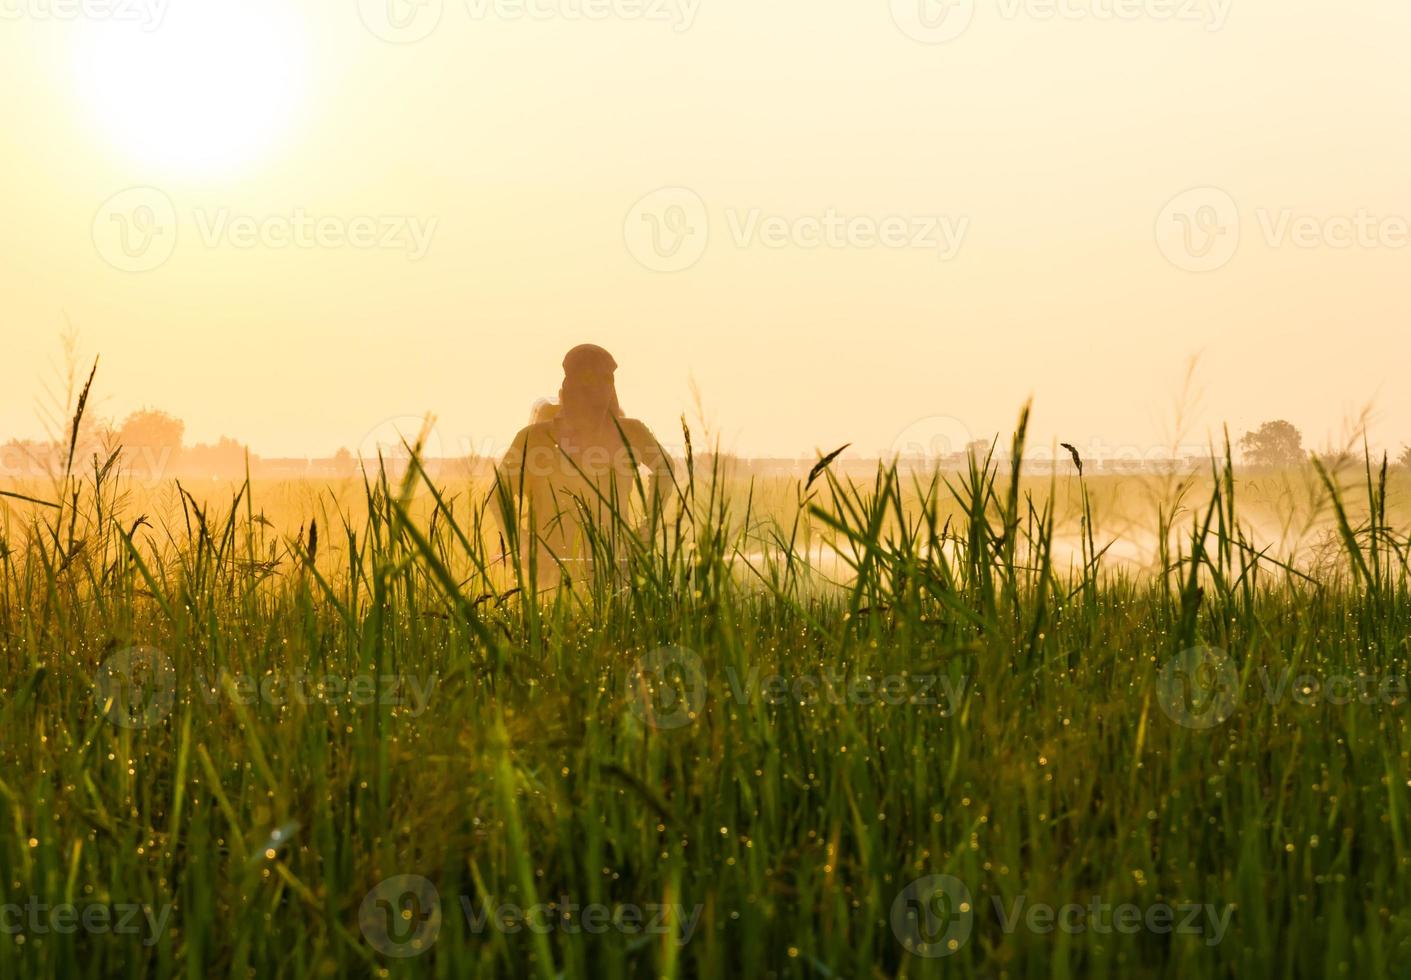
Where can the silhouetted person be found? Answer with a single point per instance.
(578, 461)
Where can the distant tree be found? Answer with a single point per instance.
(1274, 444)
(343, 462)
(979, 448)
(1405, 459)
(151, 441)
(152, 428)
(223, 460)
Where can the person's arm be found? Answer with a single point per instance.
(650, 453)
(507, 495)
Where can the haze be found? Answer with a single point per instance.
(485, 199)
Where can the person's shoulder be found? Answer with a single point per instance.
(634, 426)
(636, 431)
(534, 434)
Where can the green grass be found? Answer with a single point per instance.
(551, 762)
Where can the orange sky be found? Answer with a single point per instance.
(293, 222)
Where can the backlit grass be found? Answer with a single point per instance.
(753, 722)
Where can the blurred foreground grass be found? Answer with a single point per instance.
(789, 729)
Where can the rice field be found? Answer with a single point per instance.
(971, 723)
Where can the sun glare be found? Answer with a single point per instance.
(206, 87)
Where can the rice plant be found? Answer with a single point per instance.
(859, 729)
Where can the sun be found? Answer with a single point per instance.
(201, 87)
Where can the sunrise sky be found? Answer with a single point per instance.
(291, 222)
